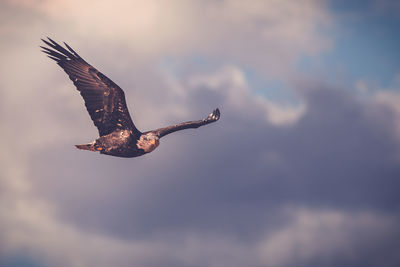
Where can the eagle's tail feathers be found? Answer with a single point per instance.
(90, 147)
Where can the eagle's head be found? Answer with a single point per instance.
(148, 142)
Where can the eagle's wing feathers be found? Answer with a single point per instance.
(104, 100)
(214, 116)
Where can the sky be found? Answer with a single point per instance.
(302, 169)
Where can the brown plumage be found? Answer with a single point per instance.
(105, 102)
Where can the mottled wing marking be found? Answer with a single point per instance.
(214, 116)
(104, 100)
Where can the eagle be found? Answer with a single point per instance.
(105, 102)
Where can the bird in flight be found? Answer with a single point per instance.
(105, 102)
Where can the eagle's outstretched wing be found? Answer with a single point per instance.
(214, 116)
(104, 100)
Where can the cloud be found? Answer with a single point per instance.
(219, 30)
(328, 238)
(312, 184)
(232, 82)
(230, 185)
(308, 238)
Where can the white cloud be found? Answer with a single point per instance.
(324, 234)
(265, 35)
(232, 81)
(391, 100)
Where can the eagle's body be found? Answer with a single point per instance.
(105, 102)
